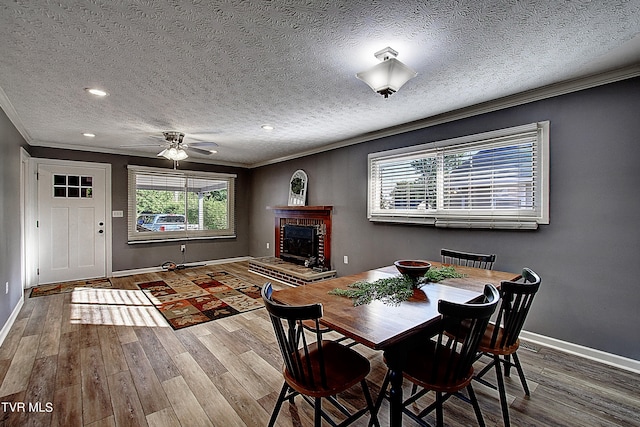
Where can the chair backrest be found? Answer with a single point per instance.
(469, 259)
(456, 344)
(288, 326)
(517, 297)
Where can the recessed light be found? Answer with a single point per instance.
(89, 135)
(267, 127)
(96, 92)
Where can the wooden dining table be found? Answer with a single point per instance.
(391, 328)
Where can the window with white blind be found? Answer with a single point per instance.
(169, 205)
(496, 179)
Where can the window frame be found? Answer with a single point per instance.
(180, 235)
(537, 133)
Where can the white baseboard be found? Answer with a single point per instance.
(122, 273)
(11, 320)
(582, 351)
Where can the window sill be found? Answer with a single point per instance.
(179, 239)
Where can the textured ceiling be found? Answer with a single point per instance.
(218, 70)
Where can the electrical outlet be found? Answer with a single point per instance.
(183, 248)
(346, 259)
(6, 288)
(267, 245)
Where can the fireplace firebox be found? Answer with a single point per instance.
(314, 222)
(300, 244)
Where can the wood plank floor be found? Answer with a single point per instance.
(107, 358)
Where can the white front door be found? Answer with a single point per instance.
(72, 214)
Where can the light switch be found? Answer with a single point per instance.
(117, 214)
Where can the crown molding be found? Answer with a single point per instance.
(12, 114)
(521, 98)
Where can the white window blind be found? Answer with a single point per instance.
(178, 205)
(492, 180)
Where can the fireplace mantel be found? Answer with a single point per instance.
(323, 210)
(316, 215)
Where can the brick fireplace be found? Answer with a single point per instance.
(318, 216)
(292, 269)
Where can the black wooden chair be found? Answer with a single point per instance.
(444, 363)
(315, 369)
(501, 341)
(485, 261)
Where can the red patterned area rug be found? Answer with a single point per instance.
(61, 288)
(186, 300)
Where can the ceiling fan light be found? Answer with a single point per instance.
(388, 76)
(174, 153)
(180, 154)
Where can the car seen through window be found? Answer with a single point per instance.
(160, 222)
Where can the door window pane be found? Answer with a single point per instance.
(72, 186)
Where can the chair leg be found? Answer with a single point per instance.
(276, 409)
(523, 380)
(383, 390)
(479, 375)
(476, 405)
(373, 420)
(318, 412)
(501, 390)
(439, 415)
(507, 366)
(486, 369)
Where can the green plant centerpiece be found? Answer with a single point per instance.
(392, 290)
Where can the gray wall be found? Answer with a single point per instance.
(10, 260)
(587, 255)
(142, 255)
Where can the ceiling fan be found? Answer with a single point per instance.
(175, 149)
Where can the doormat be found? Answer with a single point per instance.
(190, 301)
(61, 288)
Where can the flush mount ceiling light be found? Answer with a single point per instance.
(389, 75)
(97, 92)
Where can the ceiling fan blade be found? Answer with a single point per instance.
(199, 150)
(203, 144)
(143, 145)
